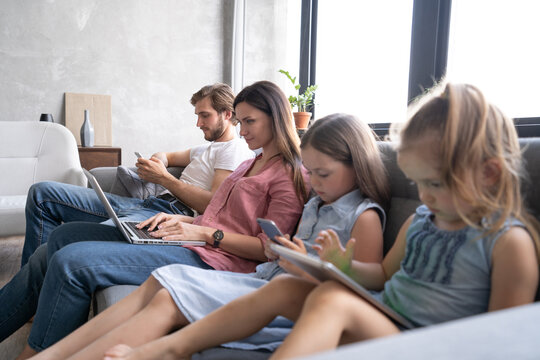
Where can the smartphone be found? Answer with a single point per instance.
(270, 229)
(138, 154)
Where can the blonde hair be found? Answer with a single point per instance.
(270, 99)
(471, 131)
(352, 142)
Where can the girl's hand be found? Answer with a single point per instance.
(268, 251)
(157, 219)
(330, 249)
(296, 244)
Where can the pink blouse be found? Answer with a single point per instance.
(240, 200)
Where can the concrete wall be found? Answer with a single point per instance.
(149, 55)
(272, 41)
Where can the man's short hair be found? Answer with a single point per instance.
(221, 96)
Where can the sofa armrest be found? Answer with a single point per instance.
(106, 177)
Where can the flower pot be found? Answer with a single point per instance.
(301, 119)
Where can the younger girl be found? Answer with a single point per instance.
(347, 173)
(469, 249)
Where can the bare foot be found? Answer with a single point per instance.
(118, 352)
(125, 352)
(27, 353)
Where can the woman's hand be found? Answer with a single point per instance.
(174, 227)
(330, 249)
(153, 222)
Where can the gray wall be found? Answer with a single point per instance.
(150, 56)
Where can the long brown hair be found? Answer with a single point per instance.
(352, 142)
(268, 98)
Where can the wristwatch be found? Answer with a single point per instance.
(218, 236)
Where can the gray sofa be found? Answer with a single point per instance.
(403, 202)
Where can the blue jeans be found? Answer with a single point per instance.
(19, 297)
(82, 258)
(50, 204)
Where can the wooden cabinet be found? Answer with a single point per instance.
(97, 156)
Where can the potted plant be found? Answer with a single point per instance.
(300, 102)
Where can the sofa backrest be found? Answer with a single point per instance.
(33, 151)
(405, 196)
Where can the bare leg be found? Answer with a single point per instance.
(332, 315)
(238, 319)
(157, 319)
(104, 322)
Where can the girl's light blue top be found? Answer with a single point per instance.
(339, 216)
(445, 275)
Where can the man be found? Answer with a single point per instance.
(50, 204)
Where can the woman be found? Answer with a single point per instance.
(271, 185)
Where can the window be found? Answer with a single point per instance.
(362, 62)
(494, 45)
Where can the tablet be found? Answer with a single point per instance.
(323, 270)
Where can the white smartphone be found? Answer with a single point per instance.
(270, 229)
(138, 154)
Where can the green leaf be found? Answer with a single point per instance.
(301, 101)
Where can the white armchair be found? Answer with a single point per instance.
(32, 151)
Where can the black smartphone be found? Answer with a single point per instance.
(270, 229)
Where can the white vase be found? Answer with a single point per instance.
(87, 131)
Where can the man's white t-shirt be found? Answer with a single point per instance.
(207, 158)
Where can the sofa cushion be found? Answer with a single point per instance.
(108, 296)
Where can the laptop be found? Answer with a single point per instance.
(323, 270)
(129, 230)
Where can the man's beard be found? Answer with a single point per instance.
(218, 131)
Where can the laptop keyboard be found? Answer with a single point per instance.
(141, 233)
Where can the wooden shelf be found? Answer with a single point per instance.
(97, 156)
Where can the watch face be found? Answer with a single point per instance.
(218, 235)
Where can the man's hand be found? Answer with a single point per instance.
(161, 156)
(152, 170)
